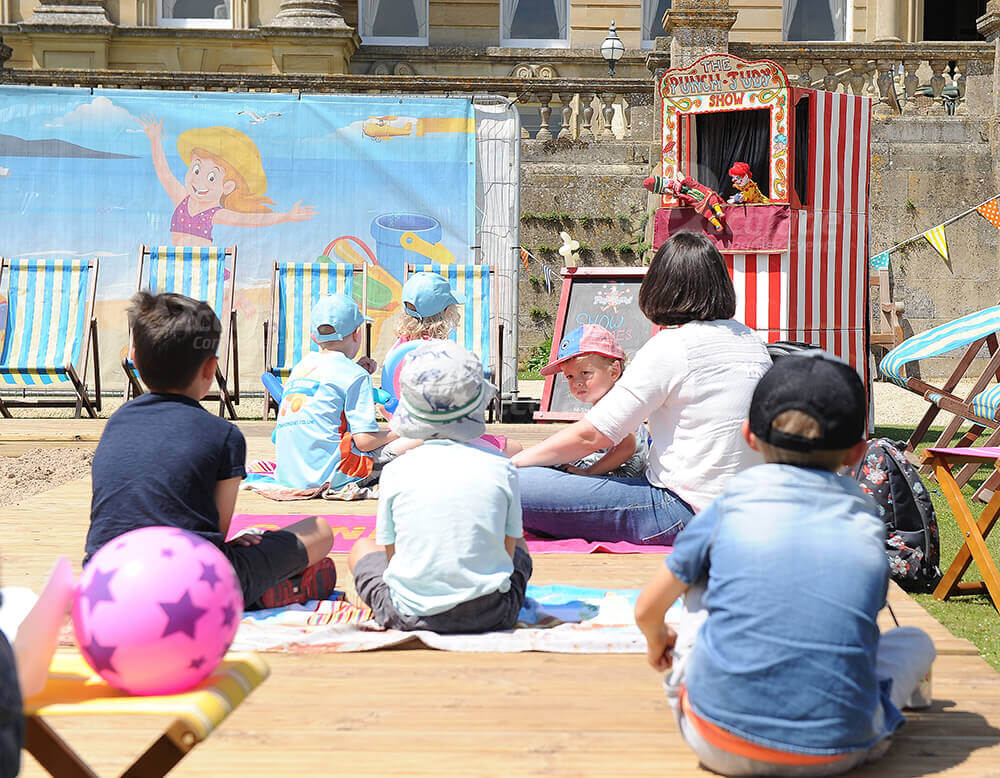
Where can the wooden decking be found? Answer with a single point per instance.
(422, 712)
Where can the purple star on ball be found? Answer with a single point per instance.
(167, 553)
(209, 575)
(182, 616)
(190, 537)
(98, 590)
(100, 656)
(197, 663)
(228, 615)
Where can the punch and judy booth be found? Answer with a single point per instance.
(777, 176)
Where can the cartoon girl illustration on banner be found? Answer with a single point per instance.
(224, 184)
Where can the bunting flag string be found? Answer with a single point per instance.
(988, 209)
(936, 238)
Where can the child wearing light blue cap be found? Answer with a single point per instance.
(326, 436)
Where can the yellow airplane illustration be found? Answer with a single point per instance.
(382, 127)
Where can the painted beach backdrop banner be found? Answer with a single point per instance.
(289, 178)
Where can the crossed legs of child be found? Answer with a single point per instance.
(286, 566)
(905, 655)
(488, 613)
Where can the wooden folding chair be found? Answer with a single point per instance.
(887, 329)
(73, 689)
(50, 331)
(295, 288)
(199, 272)
(479, 318)
(980, 406)
(974, 533)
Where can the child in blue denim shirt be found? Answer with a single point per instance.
(777, 666)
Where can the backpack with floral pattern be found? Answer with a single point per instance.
(911, 542)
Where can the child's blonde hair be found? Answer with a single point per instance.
(802, 424)
(436, 327)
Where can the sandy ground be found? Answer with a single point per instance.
(39, 470)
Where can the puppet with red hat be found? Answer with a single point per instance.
(746, 190)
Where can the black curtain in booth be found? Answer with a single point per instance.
(733, 136)
(801, 162)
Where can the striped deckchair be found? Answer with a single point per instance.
(50, 331)
(198, 272)
(295, 287)
(980, 405)
(189, 717)
(479, 316)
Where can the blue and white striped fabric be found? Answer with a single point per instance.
(939, 340)
(299, 286)
(193, 271)
(46, 320)
(472, 281)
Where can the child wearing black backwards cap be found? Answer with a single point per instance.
(778, 667)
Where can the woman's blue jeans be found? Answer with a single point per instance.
(564, 505)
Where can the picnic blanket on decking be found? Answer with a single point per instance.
(556, 619)
(348, 528)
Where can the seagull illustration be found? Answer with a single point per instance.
(256, 118)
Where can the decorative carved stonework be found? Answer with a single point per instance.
(532, 70)
(80, 13)
(393, 69)
(312, 14)
(989, 23)
(5, 52)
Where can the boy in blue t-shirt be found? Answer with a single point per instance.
(326, 431)
(778, 666)
(163, 460)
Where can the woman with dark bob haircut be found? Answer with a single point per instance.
(691, 384)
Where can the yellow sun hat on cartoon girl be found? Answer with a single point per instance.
(232, 147)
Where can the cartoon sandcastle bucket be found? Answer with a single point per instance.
(389, 230)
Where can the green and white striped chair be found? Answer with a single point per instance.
(50, 331)
(295, 288)
(479, 316)
(206, 273)
(980, 406)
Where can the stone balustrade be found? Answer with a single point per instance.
(929, 77)
(589, 110)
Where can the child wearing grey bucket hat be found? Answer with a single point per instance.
(449, 553)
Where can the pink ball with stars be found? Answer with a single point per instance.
(156, 609)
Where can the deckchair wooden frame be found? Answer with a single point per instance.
(81, 694)
(495, 358)
(271, 325)
(228, 343)
(890, 330)
(974, 533)
(77, 373)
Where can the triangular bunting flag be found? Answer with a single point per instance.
(547, 272)
(936, 238)
(524, 260)
(991, 212)
(879, 262)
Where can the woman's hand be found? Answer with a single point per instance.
(300, 212)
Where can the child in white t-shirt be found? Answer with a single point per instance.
(451, 555)
(592, 362)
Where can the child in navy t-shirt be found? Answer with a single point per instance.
(165, 460)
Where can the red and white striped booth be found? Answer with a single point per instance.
(800, 262)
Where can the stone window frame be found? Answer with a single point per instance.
(534, 43)
(393, 40)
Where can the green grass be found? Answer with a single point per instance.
(972, 617)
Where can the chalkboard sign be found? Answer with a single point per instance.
(608, 296)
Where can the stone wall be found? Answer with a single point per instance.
(924, 170)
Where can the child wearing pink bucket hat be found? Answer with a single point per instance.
(592, 362)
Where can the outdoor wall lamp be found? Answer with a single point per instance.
(612, 48)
